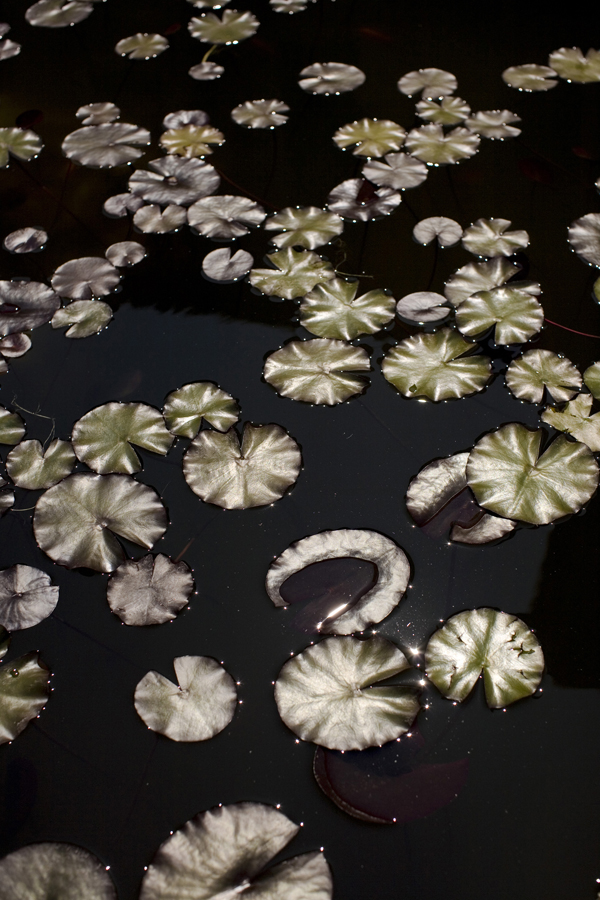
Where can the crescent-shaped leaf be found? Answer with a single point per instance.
(186, 407)
(103, 437)
(33, 468)
(27, 597)
(150, 590)
(319, 371)
(333, 310)
(54, 871)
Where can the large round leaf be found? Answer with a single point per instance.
(318, 371)
(431, 83)
(231, 28)
(333, 310)
(33, 468)
(85, 278)
(297, 273)
(528, 376)
(373, 137)
(27, 596)
(399, 171)
(105, 146)
(516, 315)
(432, 145)
(186, 407)
(24, 691)
(53, 871)
(102, 438)
(150, 590)
(307, 227)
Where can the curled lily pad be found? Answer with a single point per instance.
(489, 237)
(25, 305)
(106, 146)
(85, 278)
(24, 691)
(223, 852)
(20, 143)
(58, 13)
(102, 438)
(591, 378)
(152, 219)
(450, 111)
(496, 124)
(76, 521)
(33, 468)
(14, 345)
(45, 870)
(422, 307)
(231, 28)
(297, 273)
(118, 206)
(306, 226)
(125, 254)
(206, 71)
(575, 418)
(436, 366)
(393, 573)
(197, 708)
(225, 217)
(191, 141)
(488, 642)
(12, 427)
(399, 171)
(536, 370)
(319, 371)
(432, 145)
(478, 276)
(356, 199)
(238, 475)
(509, 477)
(571, 64)
(430, 83)
(584, 238)
(333, 310)
(150, 590)
(142, 46)
(98, 113)
(447, 231)
(516, 315)
(260, 113)
(182, 117)
(222, 267)
(27, 597)
(530, 77)
(84, 318)
(186, 407)
(373, 137)
(331, 78)
(174, 180)
(25, 240)
(325, 694)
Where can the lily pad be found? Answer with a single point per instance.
(125, 254)
(238, 475)
(399, 171)
(496, 124)
(150, 590)
(120, 204)
(591, 378)
(98, 113)
(12, 427)
(225, 217)
(152, 219)
(85, 317)
(289, 6)
(422, 307)
(356, 199)
(106, 146)
(530, 77)
(27, 597)
(260, 113)
(584, 238)
(186, 407)
(333, 310)
(528, 376)
(571, 64)
(212, 4)
(449, 111)
(182, 117)
(373, 137)
(432, 145)
(447, 231)
(479, 276)
(231, 28)
(325, 694)
(14, 345)
(25, 240)
(24, 691)
(392, 573)
(58, 13)
(33, 468)
(430, 83)
(142, 46)
(76, 521)
(307, 227)
(206, 71)
(197, 708)
(297, 272)
(516, 315)
(220, 266)
(85, 278)
(8, 48)
(509, 477)
(103, 437)
(331, 78)
(436, 366)
(575, 418)
(489, 237)
(318, 371)
(20, 143)
(174, 181)
(49, 869)
(7, 497)
(191, 141)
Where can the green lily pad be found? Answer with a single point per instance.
(373, 137)
(52, 870)
(449, 111)
(332, 310)
(12, 427)
(142, 46)
(488, 642)
(24, 691)
(27, 597)
(20, 143)
(186, 407)
(191, 141)
(517, 315)
(307, 227)
(84, 318)
(436, 366)
(575, 419)
(536, 370)
(530, 77)
(102, 438)
(509, 477)
(489, 237)
(571, 64)
(591, 378)
(432, 145)
(297, 272)
(478, 276)
(231, 28)
(33, 468)
(318, 371)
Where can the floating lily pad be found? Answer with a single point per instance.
(432, 145)
(307, 227)
(125, 254)
(85, 317)
(103, 437)
(25, 240)
(182, 117)
(149, 591)
(8, 48)
(12, 427)
(430, 83)
(447, 231)
(422, 307)
(297, 273)
(152, 219)
(478, 276)
(516, 315)
(318, 371)
(212, 4)
(46, 870)
(85, 278)
(392, 575)
(7, 497)
(222, 267)
(331, 78)
(20, 143)
(289, 6)
(33, 468)
(27, 597)
(436, 366)
(225, 217)
(509, 477)
(58, 13)
(496, 124)
(373, 137)
(106, 146)
(98, 113)
(260, 113)
(14, 345)
(575, 418)
(571, 64)
(142, 46)
(399, 171)
(356, 199)
(76, 521)
(530, 77)
(591, 378)
(584, 238)
(325, 694)
(223, 852)
(450, 111)
(238, 475)
(488, 642)
(206, 71)
(231, 28)
(333, 310)
(120, 204)
(191, 141)
(185, 409)
(174, 181)
(24, 691)
(528, 376)
(489, 237)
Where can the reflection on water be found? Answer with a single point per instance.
(326, 589)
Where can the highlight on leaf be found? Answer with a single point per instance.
(530, 77)
(220, 266)
(34, 468)
(431, 83)
(25, 240)
(496, 124)
(47, 869)
(422, 307)
(24, 691)
(20, 143)
(332, 310)
(226, 217)
(152, 219)
(319, 371)
(479, 276)
(12, 427)
(191, 141)
(231, 28)
(85, 278)
(102, 438)
(125, 254)
(58, 13)
(449, 111)
(447, 231)
(206, 71)
(571, 64)
(98, 113)
(308, 227)
(174, 180)
(591, 378)
(584, 238)
(150, 590)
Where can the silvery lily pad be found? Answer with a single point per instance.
(220, 266)
(488, 642)
(509, 477)
(489, 237)
(399, 171)
(528, 376)
(575, 418)
(447, 231)
(12, 427)
(197, 708)
(478, 276)
(530, 77)
(174, 181)
(422, 307)
(333, 310)
(191, 141)
(33, 468)
(142, 46)
(393, 574)
(182, 117)
(516, 315)
(231, 28)
(436, 366)
(120, 204)
(85, 278)
(102, 438)
(223, 852)
(7, 497)
(297, 273)
(106, 146)
(289, 6)
(206, 71)
(330, 78)
(8, 48)
(211, 4)
(20, 143)
(25, 305)
(152, 219)
(260, 113)
(571, 64)
(45, 870)
(186, 407)
(98, 113)
(150, 590)
(307, 226)
(25, 240)
(58, 13)
(430, 83)
(125, 254)
(225, 217)
(494, 123)
(373, 137)
(27, 597)
(351, 200)
(318, 371)
(432, 145)
(584, 238)
(24, 691)
(325, 694)
(14, 345)
(85, 317)
(238, 475)
(76, 521)
(449, 111)
(591, 378)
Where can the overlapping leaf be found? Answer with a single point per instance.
(355, 199)
(575, 418)
(571, 64)
(496, 124)
(225, 217)
(478, 276)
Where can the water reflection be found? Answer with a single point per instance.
(326, 589)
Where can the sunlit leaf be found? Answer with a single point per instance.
(399, 171)
(393, 574)
(85, 278)
(24, 691)
(307, 226)
(221, 266)
(570, 63)
(325, 694)
(152, 219)
(182, 117)
(508, 476)
(52, 870)
(333, 310)
(350, 200)
(489, 237)
(495, 124)
(14, 345)
(490, 643)
(260, 113)
(142, 46)
(191, 140)
(478, 276)
(225, 217)
(536, 370)
(447, 231)
(434, 146)
(430, 83)
(76, 521)
(206, 71)
(27, 597)
(33, 468)
(317, 371)
(297, 273)
(174, 180)
(106, 146)
(85, 317)
(12, 427)
(25, 305)
(103, 437)
(591, 378)
(422, 307)
(373, 137)
(186, 407)
(331, 78)
(58, 13)
(449, 111)
(150, 590)
(25, 240)
(98, 113)
(530, 77)
(516, 315)
(120, 204)
(125, 254)
(234, 475)
(20, 143)
(575, 418)
(584, 238)
(436, 366)
(231, 28)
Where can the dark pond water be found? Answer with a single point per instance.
(525, 819)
